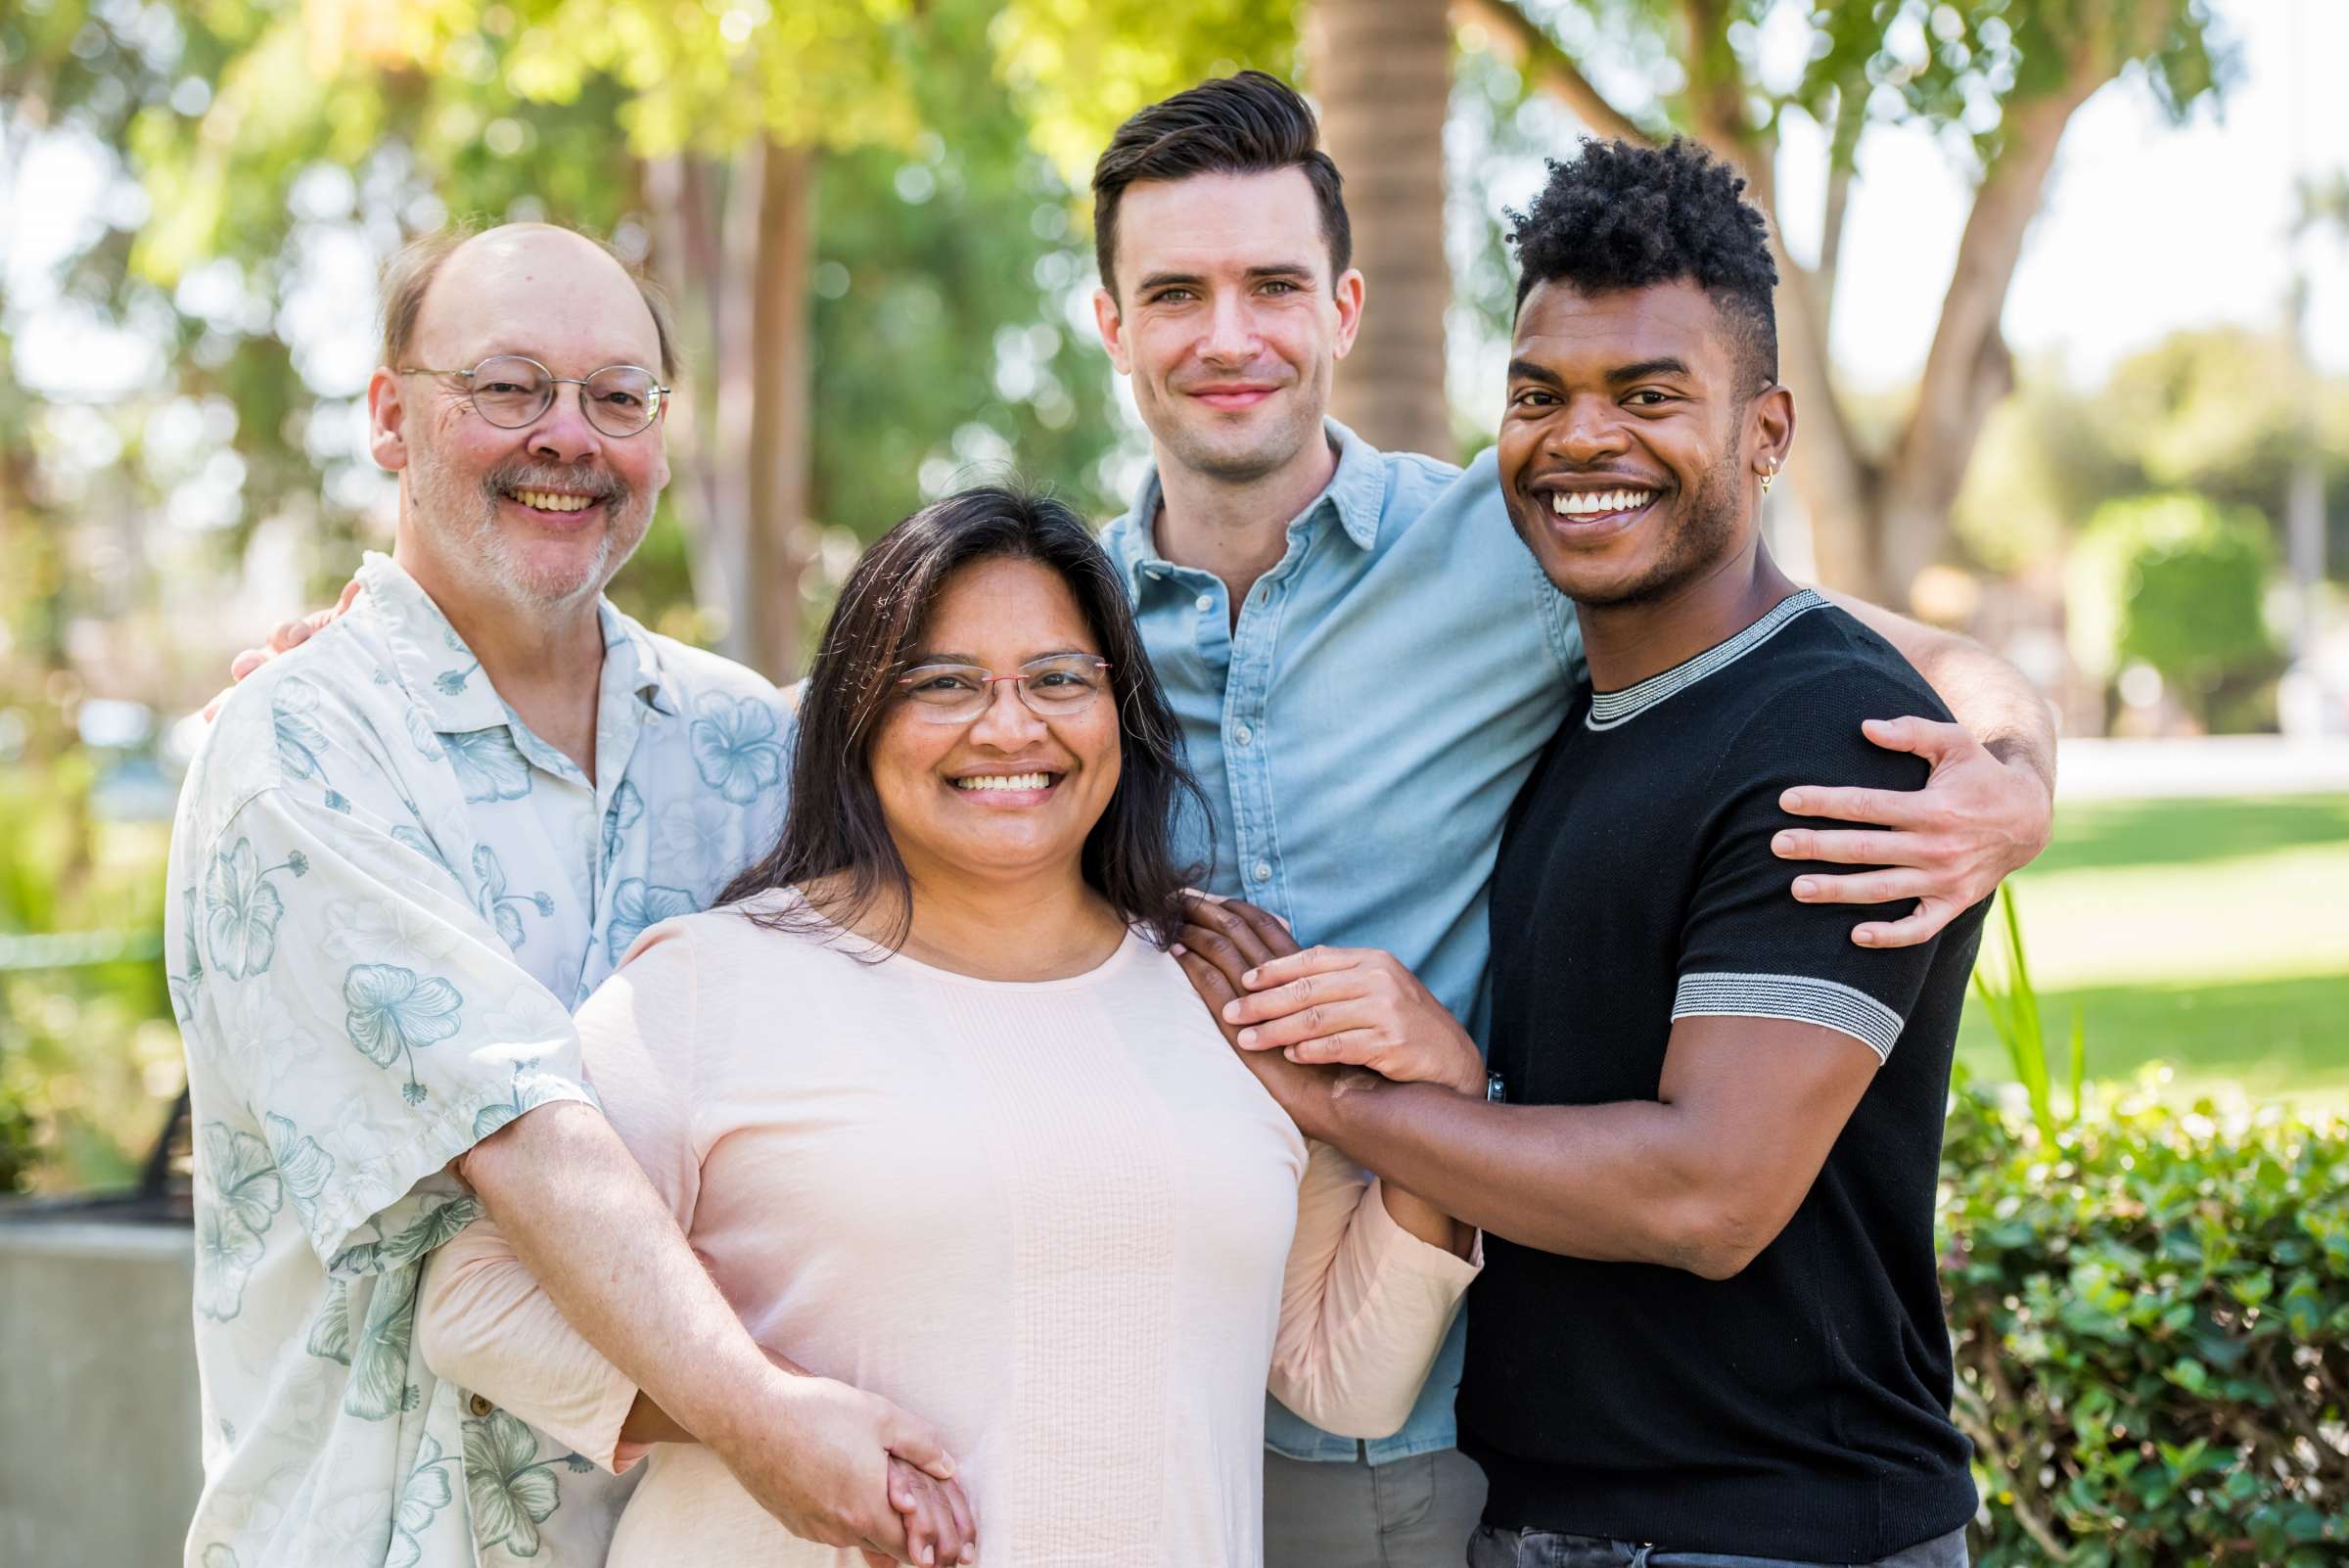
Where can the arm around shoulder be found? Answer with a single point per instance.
(1944, 841)
(1994, 701)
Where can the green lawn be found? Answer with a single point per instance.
(2209, 935)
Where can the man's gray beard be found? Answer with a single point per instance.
(469, 519)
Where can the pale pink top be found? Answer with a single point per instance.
(1059, 1219)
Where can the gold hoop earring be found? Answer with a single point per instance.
(1769, 474)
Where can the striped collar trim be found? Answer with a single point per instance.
(1609, 708)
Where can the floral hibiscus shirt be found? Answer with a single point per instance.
(386, 897)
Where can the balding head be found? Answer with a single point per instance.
(533, 517)
(520, 272)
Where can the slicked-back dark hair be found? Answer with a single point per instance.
(835, 826)
(1251, 123)
(1619, 216)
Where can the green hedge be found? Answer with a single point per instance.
(2152, 1319)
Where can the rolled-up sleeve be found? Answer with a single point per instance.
(361, 1008)
(1364, 1306)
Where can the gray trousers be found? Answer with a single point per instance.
(1406, 1514)
(1546, 1549)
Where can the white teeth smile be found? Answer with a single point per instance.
(1005, 782)
(1597, 503)
(549, 501)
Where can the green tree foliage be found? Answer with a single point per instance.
(2222, 411)
(2175, 582)
(264, 135)
(1082, 66)
(1697, 66)
(2042, 468)
(942, 330)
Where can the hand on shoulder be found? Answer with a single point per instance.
(288, 635)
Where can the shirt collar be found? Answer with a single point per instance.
(1359, 489)
(1357, 495)
(445, 679)
(626, 640)
(1608, 709)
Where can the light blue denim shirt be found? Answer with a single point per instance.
(1360, 734)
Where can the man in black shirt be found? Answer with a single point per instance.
(1708, 1328)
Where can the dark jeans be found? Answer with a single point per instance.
(1546, 1549)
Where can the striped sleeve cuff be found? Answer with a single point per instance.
(1797, 997)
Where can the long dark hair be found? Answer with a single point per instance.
(835, 827)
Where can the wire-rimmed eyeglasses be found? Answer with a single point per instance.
(509, 390)
(1053, 687)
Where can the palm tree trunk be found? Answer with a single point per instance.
(1969, 369)
(1382, 71)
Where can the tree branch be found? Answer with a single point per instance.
(1843, 150)
(1715, 99)
(1526, 44)
(1967, 369)
(1831, 238)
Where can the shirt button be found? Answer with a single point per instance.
(1263, 871)
(1243, 734)
(1207, 601)
(480, 1407)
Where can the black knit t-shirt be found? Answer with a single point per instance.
(1799, 1408)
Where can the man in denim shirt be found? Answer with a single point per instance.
(1367, 662)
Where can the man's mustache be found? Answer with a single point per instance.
(597, 484)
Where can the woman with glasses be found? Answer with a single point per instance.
(947, 1120)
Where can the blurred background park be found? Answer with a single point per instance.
(2066, 313)
(2065, 308)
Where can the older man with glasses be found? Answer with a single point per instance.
(408, 850)
(512, 390)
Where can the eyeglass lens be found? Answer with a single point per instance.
(511, 392)
(1050, 687)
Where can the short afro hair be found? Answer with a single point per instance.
(1619, 216)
